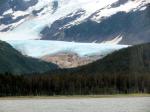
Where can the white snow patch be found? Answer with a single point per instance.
(8, 12)
(114, 41)
(127, 7)
(16, 14)
(143, 8)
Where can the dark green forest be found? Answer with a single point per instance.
(14, 62)
(122, 72)
(73, 84)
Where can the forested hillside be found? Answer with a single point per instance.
(124, 71)
(12, 61)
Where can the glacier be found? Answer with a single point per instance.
(40, 48)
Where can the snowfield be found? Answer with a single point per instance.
(39, 48)
(137, 104)
(32, 25)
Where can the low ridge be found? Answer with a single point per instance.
(12, 61)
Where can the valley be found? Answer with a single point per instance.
(99, 46)
(129, 69)
(65, 54)
(74, 55)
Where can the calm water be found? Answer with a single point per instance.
(77, 105)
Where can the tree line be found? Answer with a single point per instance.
(70, 83)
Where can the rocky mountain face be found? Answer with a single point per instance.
(130, 28)
(70, 60)
(9, 12)
(126, 21)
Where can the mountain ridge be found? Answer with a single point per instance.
(12, 61)
(58, 20)
(131, 60)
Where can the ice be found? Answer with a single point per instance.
(39, 48)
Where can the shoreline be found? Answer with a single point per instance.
(74, 96)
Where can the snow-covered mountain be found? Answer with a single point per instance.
(112, 21)
(40, 28)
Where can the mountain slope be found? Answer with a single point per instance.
(122, 72)
(131, 28)
(14, 62)
(132, 60)
(75, 20)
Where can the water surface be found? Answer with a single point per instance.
(136, 104)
